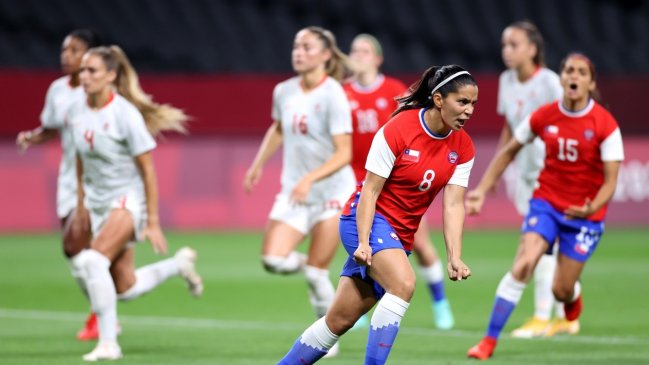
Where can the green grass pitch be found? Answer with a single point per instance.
(247, 316)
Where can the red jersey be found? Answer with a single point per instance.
(417, 165)
(576, 144)
(371, 108)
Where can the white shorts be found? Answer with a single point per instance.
(303, 217)
(136, 206)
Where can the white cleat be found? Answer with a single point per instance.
(186, 259)
(333, 351)
(104, 351)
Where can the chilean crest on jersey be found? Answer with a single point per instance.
(381, 103)
(589, 134)
(552, 129)
(411, 155)
(452, 157)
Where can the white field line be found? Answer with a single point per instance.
(207, 323)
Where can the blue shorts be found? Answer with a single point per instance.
(382, 236)
(578, 238)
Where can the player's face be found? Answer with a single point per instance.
(308, 53)
(457, 107)
(576, 79)
(516, 48)
(94, 76)
(364, 56)
(72, 52)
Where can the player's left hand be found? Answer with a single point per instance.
(301, 191)
(457, 270)
(154, 234)
(583, 211)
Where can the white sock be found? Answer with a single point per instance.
(150, 276)
(577, 292)
(102, 292)
(77, 274)
(321, 290)
(389, 311)
(319, 336)
(543, 297)
(510, 289)
(433, 273)
(290, 264)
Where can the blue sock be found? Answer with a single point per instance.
(437, 290)
(384, 326)
(301, 354)
(499, 315)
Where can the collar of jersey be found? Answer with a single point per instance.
(425, 127)
(369, 88)
(577, 113)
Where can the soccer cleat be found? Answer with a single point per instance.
(484, 349)
(333, 351)
(361, 323)
(90, 332)
(104, 351)
(573, 310)
(535, 327)
(442, 315)
(562, 327)
(186, 259)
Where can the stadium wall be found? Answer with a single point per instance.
(200, 182)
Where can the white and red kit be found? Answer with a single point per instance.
(576, 145)
(371, 108)
(416, 164)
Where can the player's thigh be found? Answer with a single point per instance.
(280, 239)
(324, 242)
(115, 233)
(354, 297)
(123, 270)
(392, 270)
(530, 249)
(77, 232)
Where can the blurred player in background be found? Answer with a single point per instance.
(419, 152)
(312, 120)
(525, 86)
(372, 99)
(62, 93)
(114, 143)
(583, 155)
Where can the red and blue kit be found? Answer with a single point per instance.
(371, 108)
(416, 164)
(577, 144)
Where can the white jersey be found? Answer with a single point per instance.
(60, 96)
(516, 100)
(309, 120)
(108, 140)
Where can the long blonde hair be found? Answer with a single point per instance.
(338, 66)
(158, 117)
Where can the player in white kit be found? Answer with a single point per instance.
(525, 86)
(312, 120)
(112, 130)
(62, 93)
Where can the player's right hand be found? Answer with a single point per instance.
(474, 201)
(363, 255)
(22, 141)
(253, 175)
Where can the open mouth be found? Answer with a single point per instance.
(573, 86)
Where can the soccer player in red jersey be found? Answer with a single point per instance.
(372, 98)
(420, 151)
(583, 156)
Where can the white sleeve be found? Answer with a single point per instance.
(500, 109)
(523, 133)
(47, 115)
(340, 114)
(461, 174)
(138, 138)
(611, 148)
(275, 113)
(380, 159)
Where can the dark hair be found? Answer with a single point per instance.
(87, 36)
(595, 94)
(535, 37)
(420, 93)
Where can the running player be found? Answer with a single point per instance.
(420, 151)
(583, 156)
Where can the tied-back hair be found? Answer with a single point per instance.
(87, 36)
(420, 93)
(158, 117)
(338, 66)
(595, 94)
(535, 37)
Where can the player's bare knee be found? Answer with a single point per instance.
(72, 248)
(404, 288)
(339, 324)
(563, 293)
(283, 264)
(523, 270)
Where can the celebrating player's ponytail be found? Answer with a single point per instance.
(158, 117)
(420, 93)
